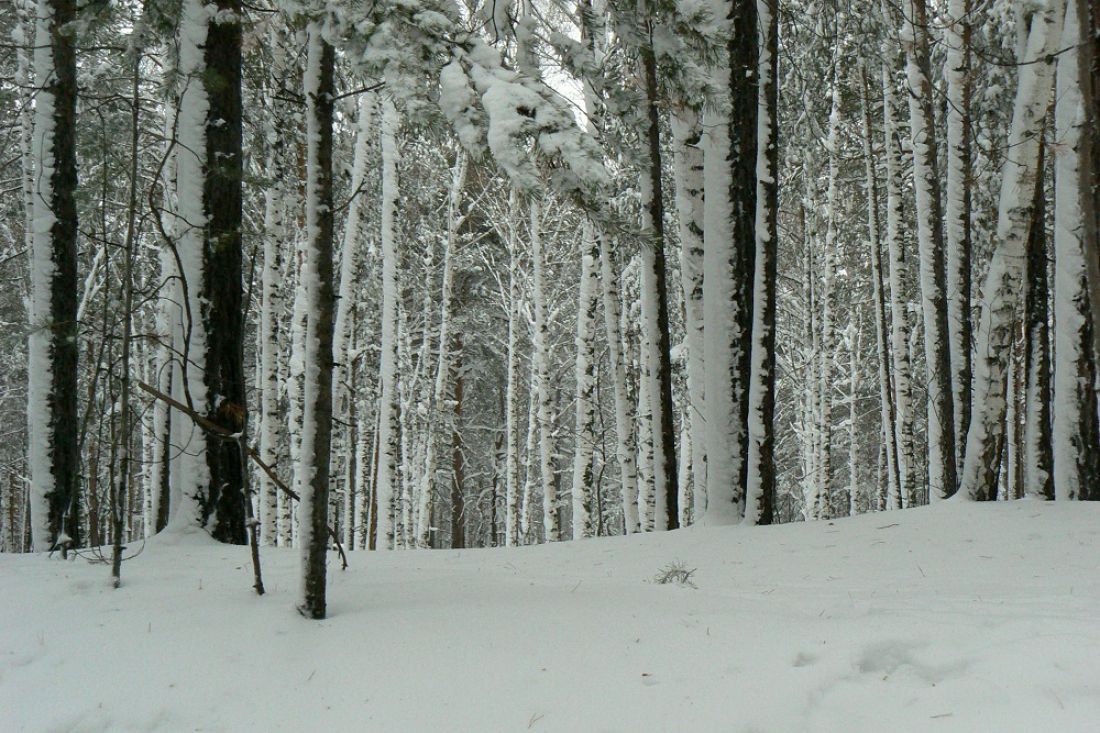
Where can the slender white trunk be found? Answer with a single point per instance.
(584, 522)
(343, 398)
(624, 418)
(388, 425)
(272, 427)
(899, 322)
(542, 361)
(512, 523)
(531, 459)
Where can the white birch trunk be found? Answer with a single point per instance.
(550, 526)
(190, 474)
(1002, 290)
(343, 397)
(722, 503)
(272, 428)
(828, 353)
(531, 459)
(957, 209)
(624, 418)
(1074, 414)
(942, 476)
(386, 483)
(583, 499)
(512, 523)
(899, 323)
(687, 133)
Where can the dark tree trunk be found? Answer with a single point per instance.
(1089, 73)
(744, 55)
(768, 253)
(318, 409)
(665, 442)
(222, 285)
(1039, 461)
(63, 501)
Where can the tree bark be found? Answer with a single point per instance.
(760, 480)
(52, 359)
(957, 210)
(942, 473)
(317, 418)
(1075, 429)
(729, 245)
(1001, 291)
(654, 284)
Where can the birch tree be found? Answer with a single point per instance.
(729, 244)
(942, 479)
(1076, 434)
(1001, 290)
(318, 275)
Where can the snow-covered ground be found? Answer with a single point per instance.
(959, 617)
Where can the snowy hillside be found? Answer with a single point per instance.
(959, 617)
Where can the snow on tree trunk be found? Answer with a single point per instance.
(942, 474)
(584, 521)
(687, 133)
(222, 292)
(313, 466)
(1001, 291)
(52, 359)
(899, 323)
(1076, 434)
(386, 482)
(957, 210)
(729, 246)
(190, 475)
(624, 417)
(637, 348)
(760, 476)
(585, 524)
(541, 359)
(654, 297)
